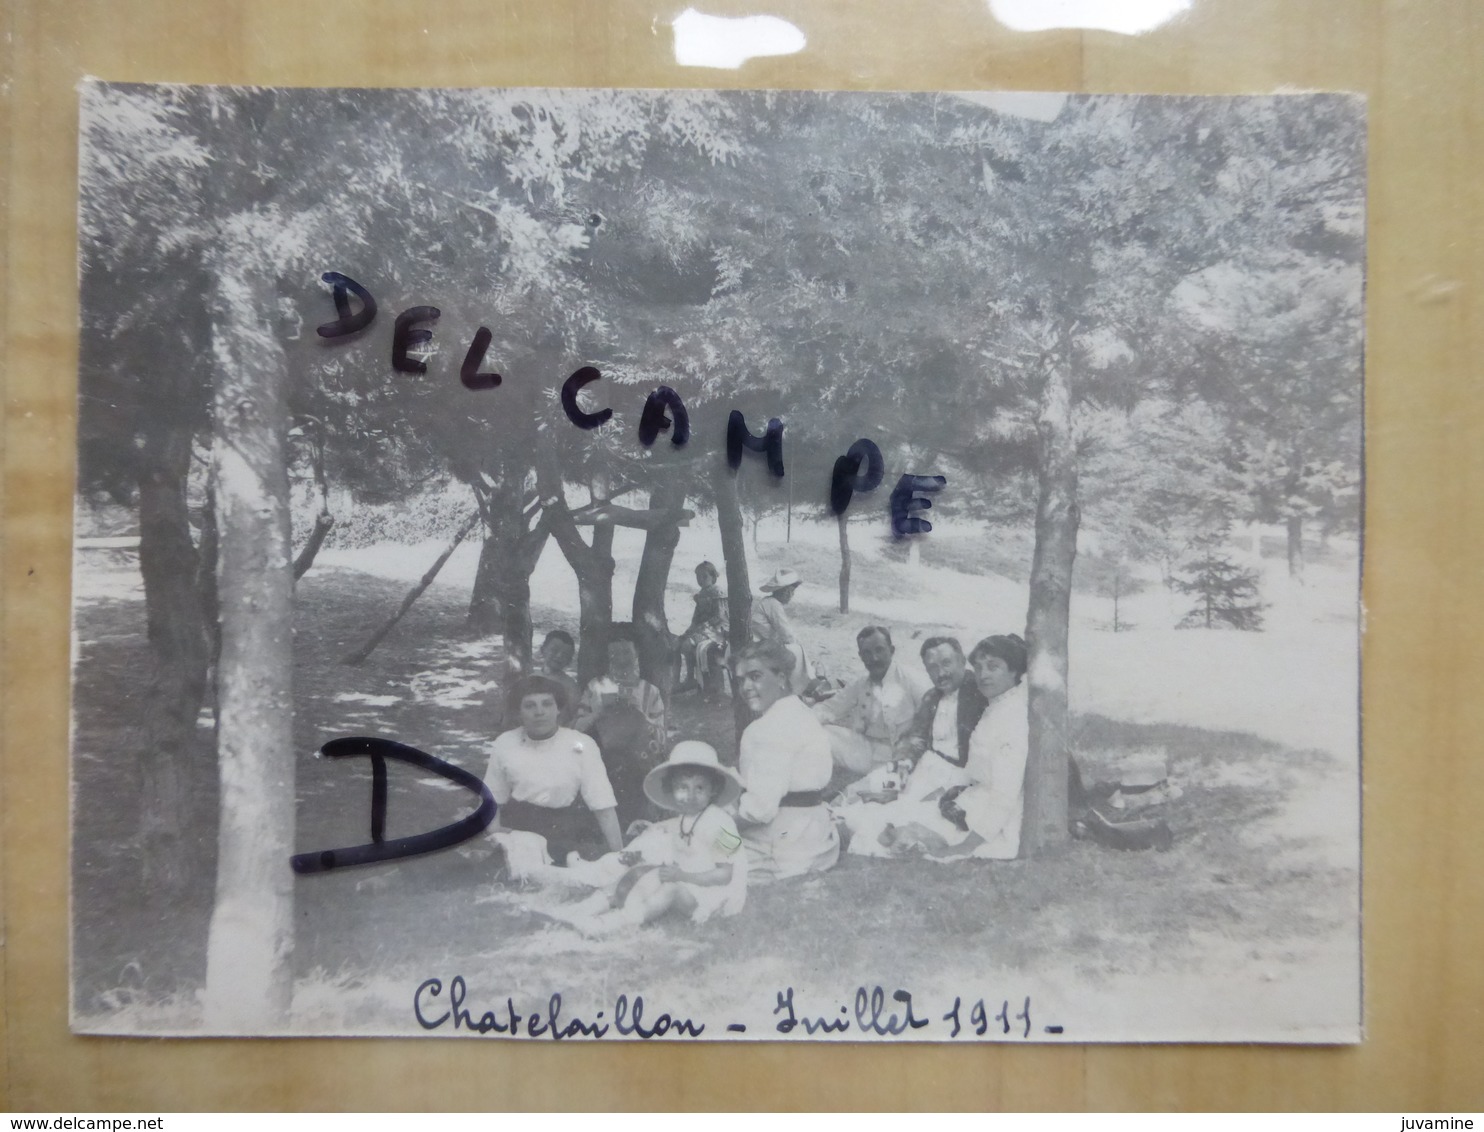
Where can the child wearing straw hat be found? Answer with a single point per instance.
(692, 864)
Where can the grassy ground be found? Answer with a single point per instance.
(1244, 894)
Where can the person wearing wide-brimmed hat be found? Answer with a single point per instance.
(770, 625)
(549, 779)
(693, 864)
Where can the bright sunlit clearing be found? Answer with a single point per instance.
(722, 41)
(1129, 17)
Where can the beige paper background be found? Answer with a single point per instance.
(1422, 64)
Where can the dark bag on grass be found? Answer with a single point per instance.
(1129, 833)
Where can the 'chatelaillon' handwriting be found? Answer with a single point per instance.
(433, 1010)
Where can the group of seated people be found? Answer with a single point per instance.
(898, 761)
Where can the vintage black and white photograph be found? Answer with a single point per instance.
(701, 565)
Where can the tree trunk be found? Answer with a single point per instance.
(734, 556)
(739, 585)
(1254, 539)
(206, 577)
(1045, 824)
(594, 604)
(1296, 547)
(322, 524)
(513, 591)
(656, 642)
(501, 598)
(486, 616)
(844, 564)
(591, 562)
(359, 655)
(500, 507)
(516, 627)
(175, 617)
(1292, 497)
(248, 978)
(323, 520)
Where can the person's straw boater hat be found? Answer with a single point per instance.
(693, 755)
(781, 580)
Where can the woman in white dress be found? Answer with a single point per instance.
(785, 764)
(993, 805)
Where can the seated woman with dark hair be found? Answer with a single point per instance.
(991, 808)
(549, 779)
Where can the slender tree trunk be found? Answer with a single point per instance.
(656, 642)
(322, 524)
(1254, 540)
(595, 603)
(504, 517)
(359, 655)
(323, 520)
(248, 977)
(206, 576)
(844, 563)
(178, 640)
(1295, 526)
(516, 627)
(591, 562)
(513, 593)
(1117, 589)
(734, 556)
(739, 585)
(1057, 515)
(595, 613)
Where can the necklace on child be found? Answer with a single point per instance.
(687, 834)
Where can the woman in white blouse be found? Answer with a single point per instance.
(785, 765)
(994, 804)
(539, 771)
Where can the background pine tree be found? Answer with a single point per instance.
(1226, 593)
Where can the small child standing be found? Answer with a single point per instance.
(692, 864)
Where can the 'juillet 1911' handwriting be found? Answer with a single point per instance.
(861, 469)
(872, 1013)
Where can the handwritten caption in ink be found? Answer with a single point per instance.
(871, 1012)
